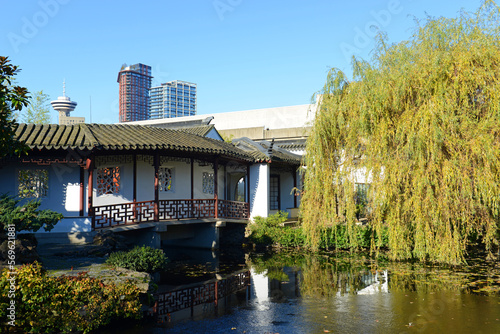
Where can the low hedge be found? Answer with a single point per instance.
(139, 258)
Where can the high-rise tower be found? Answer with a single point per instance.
(135, 82)
(172, 99)
(65, 106)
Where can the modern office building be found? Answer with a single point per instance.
(64, 106)
(135, 82)
(172, 99)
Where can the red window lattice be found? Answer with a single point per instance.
(108, 180)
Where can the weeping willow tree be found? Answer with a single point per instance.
(421, 124)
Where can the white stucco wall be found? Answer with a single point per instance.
(125, 193)
(181, 181)
(181, 185)
(63, 194)
(259, 190)
(198, 181)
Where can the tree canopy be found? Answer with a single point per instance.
(12, 99)
(421, 121)
(38, 111)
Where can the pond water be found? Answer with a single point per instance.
(335, 293)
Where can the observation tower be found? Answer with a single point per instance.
(65, 106)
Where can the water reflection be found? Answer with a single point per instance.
(352, 294)
(341, 293)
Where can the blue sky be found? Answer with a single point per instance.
(242, 54)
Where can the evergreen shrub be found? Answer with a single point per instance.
(139, 258)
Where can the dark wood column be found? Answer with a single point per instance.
(90, 186)
(216, 187)
(248, 184)
(294, 172)
(82, 190)
(192, 178)
(134, 186)
(157, 188)
(224, 186)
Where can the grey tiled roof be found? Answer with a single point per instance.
(265, 151)
(121, 137)
(201, 130)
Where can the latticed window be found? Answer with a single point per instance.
(166, 176)
(108, 180)
(33, 183)
(208, 183)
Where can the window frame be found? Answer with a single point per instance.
(116, 186)
(45, 189)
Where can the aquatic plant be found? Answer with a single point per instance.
(421, 124)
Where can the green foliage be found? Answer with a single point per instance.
(145, 259)
(45, 304)
(422, 122)
(266, 230)
(12, 99)
(38, 111)
(26, 217)
(341, 237)
(270, 231)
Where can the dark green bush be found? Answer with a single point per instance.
(143, 258)
(266, 230)
(45, 304)
(26, 217)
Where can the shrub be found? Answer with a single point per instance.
(26, 217)
(143, 258)
(45, 304)
(266, 230)
(269, 231)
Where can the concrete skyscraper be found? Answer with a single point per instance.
(172, 99)
(135, 82)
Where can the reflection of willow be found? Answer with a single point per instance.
(273, 264)
(410, 277)
(329, 278)
(345, 273)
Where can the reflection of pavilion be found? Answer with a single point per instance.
(377, 283)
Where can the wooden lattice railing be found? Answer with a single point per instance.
(123, 214)
(233, 209)
(210, 292)
(174, 209)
